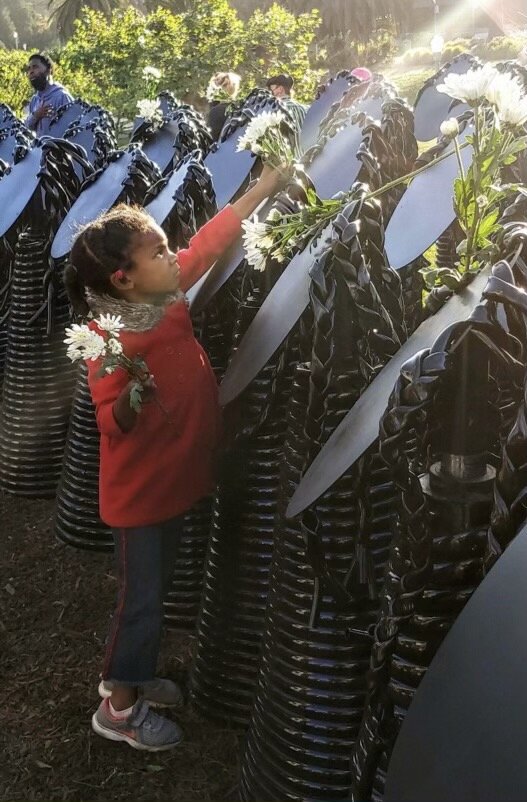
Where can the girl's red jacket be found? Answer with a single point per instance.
(165, 464)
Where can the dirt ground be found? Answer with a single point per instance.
(55, 603)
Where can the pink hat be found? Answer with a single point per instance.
(362, 73)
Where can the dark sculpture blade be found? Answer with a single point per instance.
(280, 311)
(96, 198)
(360, 427)
(432, 107)
(425, 210)
(17, 188)
(475, 694)
(229, 169)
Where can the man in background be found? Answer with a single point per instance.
(49, 96)
(281, 87)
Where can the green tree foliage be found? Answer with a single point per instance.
(15, 88)
(357, 19)
(29, 18)
(104, 60)
(67, 12)
(213, 39)
(279, 41)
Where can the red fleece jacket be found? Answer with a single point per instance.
(163, 466)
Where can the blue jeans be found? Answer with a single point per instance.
(146, 558)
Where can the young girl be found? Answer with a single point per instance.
(157, 463)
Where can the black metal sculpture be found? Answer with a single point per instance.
(431, 107)
(329, 94)
(439, 554)
(327, 568)
(38, 377)
(289, 296)
(126, 177)
(38, 380)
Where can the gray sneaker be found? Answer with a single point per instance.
(143, 729)
(158, 692)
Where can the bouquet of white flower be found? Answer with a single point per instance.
(216, 92)
(84, 343)
(271, 137)
(278, 236)
(151, 74)
(499, 105)
(150, 111)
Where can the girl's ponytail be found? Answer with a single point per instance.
(99, 249)
(76, 291)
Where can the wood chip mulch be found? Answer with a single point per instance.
(55, 603)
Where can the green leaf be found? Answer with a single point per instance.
(136, 397)
(461, 249)
(488, 225)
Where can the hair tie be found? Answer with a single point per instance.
(119, 275)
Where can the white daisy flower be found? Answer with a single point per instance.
(254, 233)
(96, 348)
(257, 259)
(110, 323)
(84, 343)
(258, 128)
(114, 346)
(151, 72)
(150, 110)
(450, 128)
(514, 113)
(257, 243)
(469, 87)
(77, 333)
(507, 95)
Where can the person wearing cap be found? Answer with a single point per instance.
(281, 86)
(362, 74)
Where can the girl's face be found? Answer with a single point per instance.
(155, 271)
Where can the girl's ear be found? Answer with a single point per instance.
(121, 280)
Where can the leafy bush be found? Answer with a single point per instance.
(16, 89)
(416, 57)
(409, 83)
(342, 52)
(454, 48)
(278, 41)
(103, 62)
(501, 47)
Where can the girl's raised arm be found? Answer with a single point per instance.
(216, 236)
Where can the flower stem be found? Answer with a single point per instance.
(408, 177)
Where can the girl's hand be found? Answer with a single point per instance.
(275, 179)
(146, 380)
(124, 414)
(268, 184)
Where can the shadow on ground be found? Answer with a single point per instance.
(55, 603)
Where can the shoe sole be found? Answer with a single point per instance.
(104, 694)
(113, 735)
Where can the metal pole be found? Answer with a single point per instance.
(461, 483)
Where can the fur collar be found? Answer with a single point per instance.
(135, 317)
